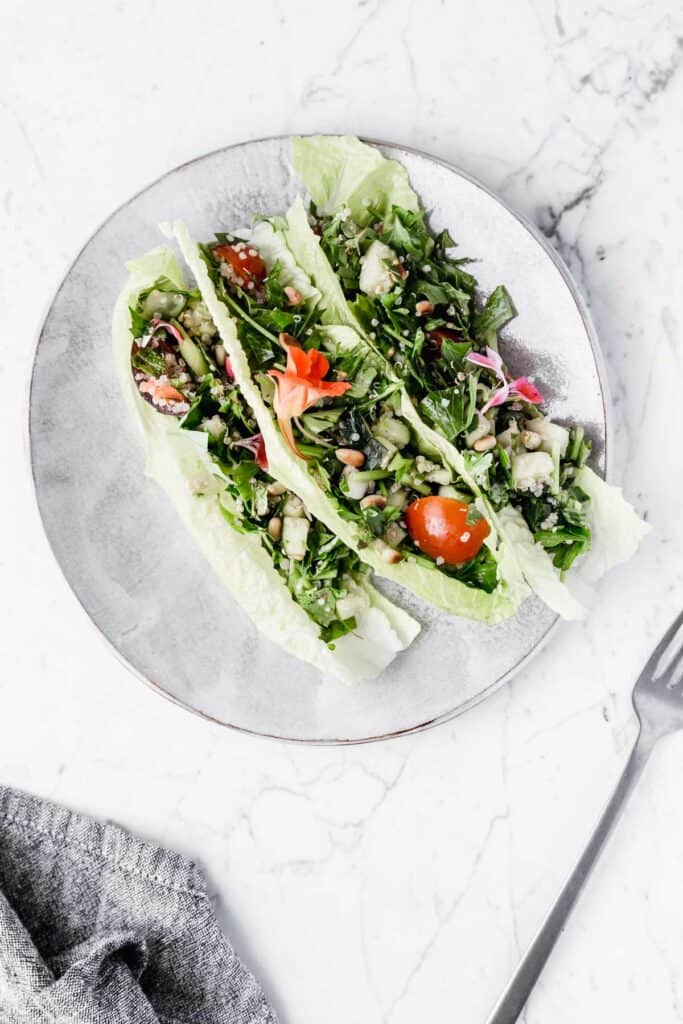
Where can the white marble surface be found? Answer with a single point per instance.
(397, 882)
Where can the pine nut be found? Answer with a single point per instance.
(276, 489)
(423, 308)
(391, 556)
(485, 444)
(220, 355)
(350, 457)
(373, 501)
(275, 528)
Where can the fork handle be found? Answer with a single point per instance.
(512, 1002)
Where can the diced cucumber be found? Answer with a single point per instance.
(194, 357)
(392, 430)
(295, 537)
(441, 475)
(530, 468)
(432, 471)
(394, 535)
(164, 305)
(550, 434)
(397, 499)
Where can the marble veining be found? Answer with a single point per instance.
(395, 882)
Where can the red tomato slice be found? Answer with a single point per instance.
(439, 528)
(244, 265)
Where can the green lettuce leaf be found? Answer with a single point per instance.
(273, 249)
(305, 248)
(615, 526)
(341, 171)
(178, 460)
(616, 534)
(536, 565)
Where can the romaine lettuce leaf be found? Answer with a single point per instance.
(273, 249)
(615, 526)
(178, 460)
(341, 171)
(305, 248)
(536, 565)
(616, 534)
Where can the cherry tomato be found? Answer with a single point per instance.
(242, 263)
(439, 528)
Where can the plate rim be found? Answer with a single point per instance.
(605, 399)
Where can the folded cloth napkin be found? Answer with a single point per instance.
(98, 927)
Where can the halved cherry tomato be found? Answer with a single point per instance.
(243, 264)
(439, 527)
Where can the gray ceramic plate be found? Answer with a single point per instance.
(126, 555)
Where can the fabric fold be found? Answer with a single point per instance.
(99, 926)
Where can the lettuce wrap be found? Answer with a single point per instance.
(381, 272)
(298, 583)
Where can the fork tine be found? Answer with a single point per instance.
(673, 669)
(650, 670)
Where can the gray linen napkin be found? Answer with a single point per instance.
(98, 927)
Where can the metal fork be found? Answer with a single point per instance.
(658, 703)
